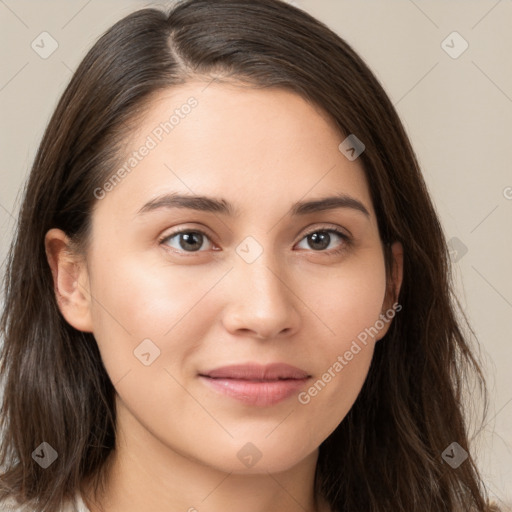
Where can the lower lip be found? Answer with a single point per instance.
(261, 394)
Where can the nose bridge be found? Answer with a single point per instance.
(261, 299)
(261, 272)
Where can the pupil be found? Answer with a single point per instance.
(188, 238)
(324, 236)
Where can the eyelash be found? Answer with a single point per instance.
(333, 252)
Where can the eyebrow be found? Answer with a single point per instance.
(214, 205)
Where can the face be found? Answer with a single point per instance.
(253, 279)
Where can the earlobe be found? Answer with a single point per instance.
(70, 280)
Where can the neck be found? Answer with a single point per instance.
(144, 474)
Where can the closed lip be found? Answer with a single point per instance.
(257, 372)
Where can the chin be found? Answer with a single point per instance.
(252, 458)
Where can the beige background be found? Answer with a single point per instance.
(457, 111)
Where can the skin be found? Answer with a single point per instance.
(177, 440)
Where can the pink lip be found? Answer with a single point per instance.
(255, 384)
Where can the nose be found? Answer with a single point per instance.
(261, 300)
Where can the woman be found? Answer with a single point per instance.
(175, 337)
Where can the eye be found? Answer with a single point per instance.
(320, 239)
(188, 240)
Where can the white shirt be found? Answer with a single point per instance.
(11, 505)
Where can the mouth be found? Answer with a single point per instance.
(256, 385)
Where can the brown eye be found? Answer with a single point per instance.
(188, 240)
(320, 239)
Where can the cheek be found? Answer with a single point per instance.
(333, 391)
(349, 308)
(137, 301)
(348, 300)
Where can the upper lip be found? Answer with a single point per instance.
(253, 371)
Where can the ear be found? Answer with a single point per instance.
(393, 287)
(70, 280)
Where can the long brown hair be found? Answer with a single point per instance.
(386, 453)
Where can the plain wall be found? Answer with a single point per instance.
(457, 112)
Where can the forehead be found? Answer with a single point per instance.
(261, 149)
